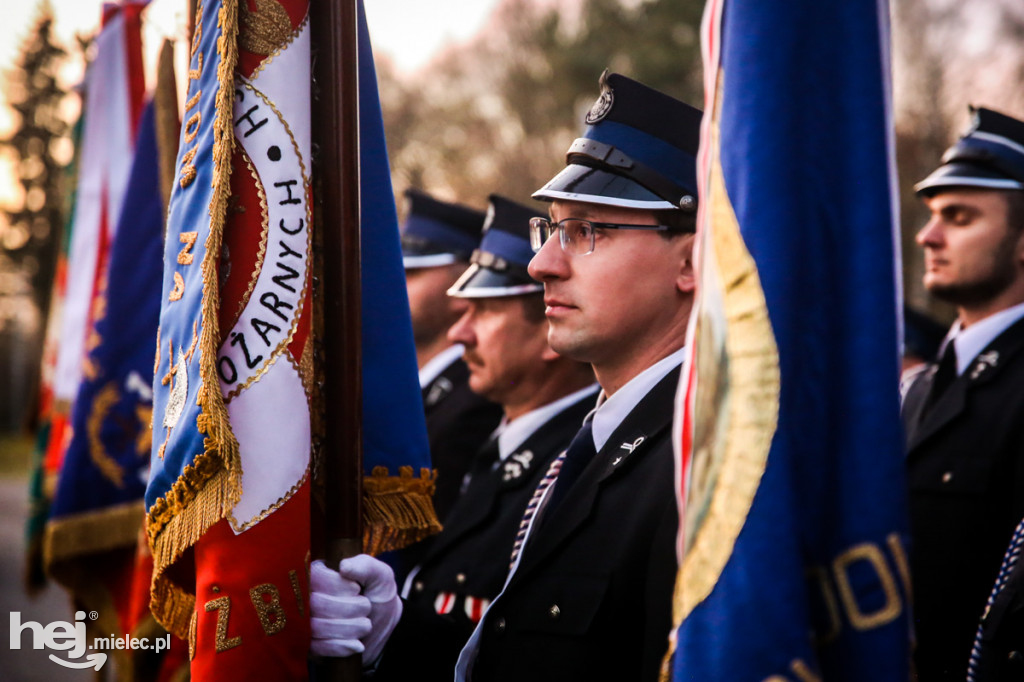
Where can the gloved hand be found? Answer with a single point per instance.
(378, 582)
(339, 615)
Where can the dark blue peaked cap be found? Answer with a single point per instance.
(498, 267)
(990, 155)
(639, 150)
(438, 232)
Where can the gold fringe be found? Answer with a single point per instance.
(398, 510)
(212, 486)
(92, 532)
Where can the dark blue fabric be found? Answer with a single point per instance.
(511, 247)
(443, 236)
(124, 358)
(577, 456)
(394, 428)
(189, 211)
(806, 155)
(672, 161)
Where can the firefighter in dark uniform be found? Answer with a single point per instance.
(589, 593)
(545, 398)
(438, 238)
(964, 416)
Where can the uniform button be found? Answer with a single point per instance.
(554, 612)
(1016, 657)
(947, 477)
(499, 626)
(461, 578)
(418, 586)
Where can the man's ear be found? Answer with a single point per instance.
(686, 279)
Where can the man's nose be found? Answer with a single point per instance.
(550, 262)
(931, 234)
(462, 331)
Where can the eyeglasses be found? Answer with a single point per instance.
(577, 236)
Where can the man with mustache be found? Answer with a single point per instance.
(438, 238)
(545, 398)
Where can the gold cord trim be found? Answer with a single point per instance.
(397, 510)
(212, 485)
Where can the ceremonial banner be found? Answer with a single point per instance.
(396, 454)
(228, 496)
(791, 480)
(114, 88)
(43, 482)
(97, 512)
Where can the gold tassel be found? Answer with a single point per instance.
(397, 510)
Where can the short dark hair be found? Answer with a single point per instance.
(1015, 209)
(682, 221)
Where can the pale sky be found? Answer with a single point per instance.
(410, 32)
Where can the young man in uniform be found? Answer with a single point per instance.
(964, 417)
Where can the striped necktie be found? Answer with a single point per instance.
(562, 473)
(531, 508)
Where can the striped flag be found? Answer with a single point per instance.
(96, 516)
(113, 104)
(791, 481)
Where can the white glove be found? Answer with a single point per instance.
(339, 615)
(378, 583)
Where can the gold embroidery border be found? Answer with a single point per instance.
(211, 485)
(264, 234)
(244, 526)
(282, 348)
(753, 409)
(92, 532)
(282, 47)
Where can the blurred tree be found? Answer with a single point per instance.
(41, 145)
(947, 55)
(497, 114)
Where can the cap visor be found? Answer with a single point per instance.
(434, 260)
(597, 186)
(479, 282)
(965, 175)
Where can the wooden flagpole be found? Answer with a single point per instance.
(335, 122)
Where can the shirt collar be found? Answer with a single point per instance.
(514, 433)
(611, 411)
(971, 341)
(439, 363)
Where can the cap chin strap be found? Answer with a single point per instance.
(596, 154)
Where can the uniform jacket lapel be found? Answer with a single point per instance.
(641, 427)
(434, 393)
(982, 370)
(477, 504)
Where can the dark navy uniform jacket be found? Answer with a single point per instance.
(965, 463)
(591, 597)
(458, 423)
(466, 565)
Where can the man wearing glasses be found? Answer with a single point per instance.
(589, 593)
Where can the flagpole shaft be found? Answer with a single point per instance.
(335, 111)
